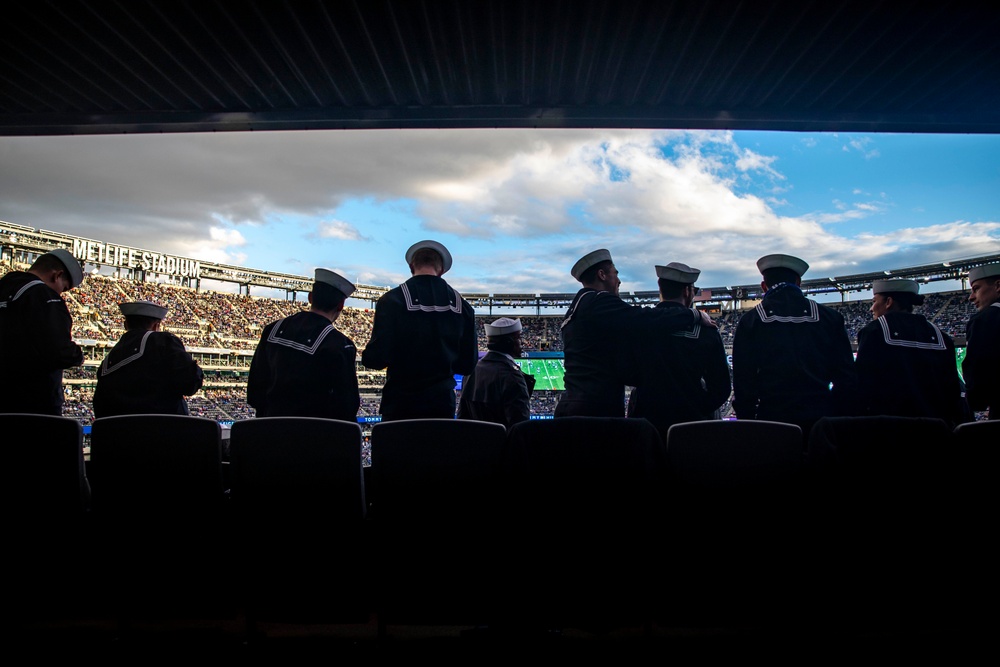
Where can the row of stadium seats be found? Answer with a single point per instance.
(581, 522)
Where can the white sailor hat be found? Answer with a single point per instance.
(782, 262)
(435, 246)
(679, 273)
(589, 260)
(71, 263)
(895, 285)
(984, 271)
(144, 308)
(503, 326)
(335, 280)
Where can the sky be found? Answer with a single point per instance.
(517, 208)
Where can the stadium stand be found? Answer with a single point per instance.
(222, 329)
(686, 579)
(86, 67)
(696, 587)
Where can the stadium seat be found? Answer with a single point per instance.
(45, 498)
(736, 500)
(884, 492)
(288, 465)
(977, 446)
(46, 478)
(299, 503)
(716, 455)
(984, 434)
(159, 508)
(434, 489)
(148, 464)
(584, 498)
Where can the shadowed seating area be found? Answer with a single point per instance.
(559, 534)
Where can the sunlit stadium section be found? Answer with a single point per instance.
(221, 326)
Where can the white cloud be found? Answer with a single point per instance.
(522, 205)
(862, 145)
(222, 246)
(751, 161)
(338, 229)
(869, 207)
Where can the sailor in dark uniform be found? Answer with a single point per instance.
(148, 371)
(36, 333)
(424, 334)
(498, 390)
(600, 332)
(981, 366)
(683, 376)
(792, 358)
(906, 365)
(303, 366)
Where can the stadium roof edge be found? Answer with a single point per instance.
(160, 66)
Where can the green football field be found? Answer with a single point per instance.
(548, 373)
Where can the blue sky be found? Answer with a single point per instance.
(517, 207)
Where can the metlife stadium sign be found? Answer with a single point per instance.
(110, 254)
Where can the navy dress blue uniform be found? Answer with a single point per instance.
(792, 359)
(906, 367)
(304, 367)
(599, 333)
(424, 333)
(684, 376)
(981, 366)
(147, 372)
(36, 339)
(497, 391)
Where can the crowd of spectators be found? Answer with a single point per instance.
(540, 333)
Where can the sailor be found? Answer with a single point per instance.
(906, 365)
(148, 371)
(792, 358)
(600, 332)
(981, 366)
(303, 366)
(683, 376)
(424, 334)
(498, 390)
(36, 333)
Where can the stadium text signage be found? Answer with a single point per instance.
(133, 258)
